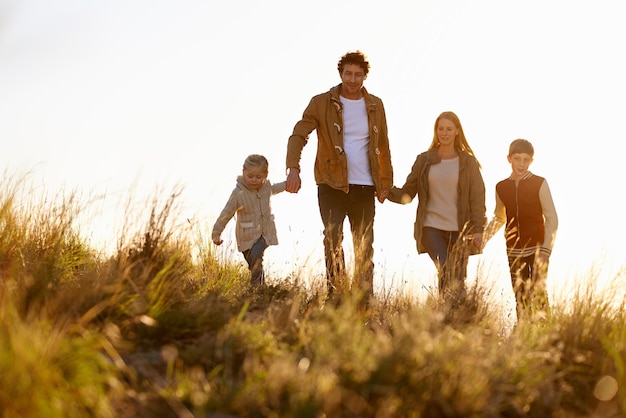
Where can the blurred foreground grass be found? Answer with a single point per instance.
(165, 328)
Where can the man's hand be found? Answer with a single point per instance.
(293, 181)
(384, 194)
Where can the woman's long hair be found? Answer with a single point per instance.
(460, 142)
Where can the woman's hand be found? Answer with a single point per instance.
(477, 240)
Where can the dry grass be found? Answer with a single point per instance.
(164, 328)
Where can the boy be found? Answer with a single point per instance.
(524, 203)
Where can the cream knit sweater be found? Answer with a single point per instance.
(253, 212)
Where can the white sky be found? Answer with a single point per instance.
(108, 96)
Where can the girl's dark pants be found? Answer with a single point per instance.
(254, 257)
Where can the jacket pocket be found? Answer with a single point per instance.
(333, 171)
(248, 230)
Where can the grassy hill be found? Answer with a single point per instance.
(165, 328)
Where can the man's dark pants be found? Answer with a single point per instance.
(359, 206)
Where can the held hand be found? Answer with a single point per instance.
(293, 181)
(541, 264)
(541, 259)
(477, 240)
(384, 194)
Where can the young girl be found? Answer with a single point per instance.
(250, 201)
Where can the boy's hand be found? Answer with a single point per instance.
(218, 241)
(541, 259)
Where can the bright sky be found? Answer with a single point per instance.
(109, 96)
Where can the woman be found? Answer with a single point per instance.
(451, 210)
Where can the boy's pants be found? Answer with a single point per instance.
(358, 206)
(529, 284)
(254, 257)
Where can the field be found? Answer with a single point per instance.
(164, 327)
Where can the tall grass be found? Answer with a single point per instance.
(166, 327)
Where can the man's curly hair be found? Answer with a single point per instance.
(356, 57)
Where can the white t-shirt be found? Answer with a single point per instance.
(443, 184)
(356, 141)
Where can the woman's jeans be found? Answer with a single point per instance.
(358, 206)
(254, 257)
(450, 255)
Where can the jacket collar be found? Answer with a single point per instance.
(526, 176)
(241, 184)
(432, 156)
(335, 92)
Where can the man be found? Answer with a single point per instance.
(352, 166)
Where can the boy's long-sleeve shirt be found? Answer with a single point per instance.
(527, 209)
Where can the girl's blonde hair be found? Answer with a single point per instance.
(256, 160)
(460, 142)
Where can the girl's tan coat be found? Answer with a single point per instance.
(254, 214)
